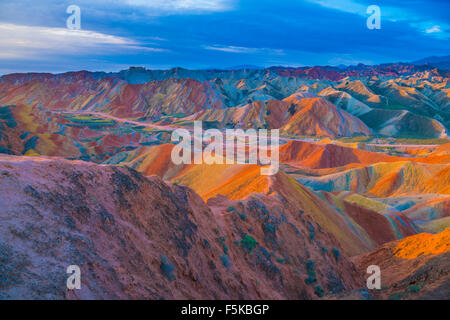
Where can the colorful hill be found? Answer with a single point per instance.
(353, 226)
(301, 114)
(386, 179)
(86, 176)
(407, 101)
(413, 268)
(81, 92)
(137, 237)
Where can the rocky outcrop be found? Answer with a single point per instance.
(136, 237)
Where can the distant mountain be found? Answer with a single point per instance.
(432, 59)
(298, 114)
(245, 66)
(87, 177)
(442, 62)
(396, 100)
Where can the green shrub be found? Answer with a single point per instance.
(312, 230)
(167, 268)
(248, 242)
(225, 260)
(280, 260)
(231, 209)
(221, 239)
(311, 273)
(336, 253)
(413, 288)
(270, 227)
(394, 296)
(319, 291)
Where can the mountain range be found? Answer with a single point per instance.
(86, 178)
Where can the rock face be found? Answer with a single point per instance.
(301, 114)
(396, 100)
(137, 237)
(416, 267)
(81, 92)
(387, 179)
(318, 156)
(140, 226)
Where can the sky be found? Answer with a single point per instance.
(204, 34)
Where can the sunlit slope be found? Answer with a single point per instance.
(423, 244)
(386, 179)
(138, 237)
(319, 156)
(322, 156)
(302, 114)
(351, 225)
(412, 268)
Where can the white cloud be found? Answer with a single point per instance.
(342, 5)
(183, 5)
(35, 43)
(234, 49)
(389, 13)
(433, 29)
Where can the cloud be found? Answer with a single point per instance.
(181, 6)
(342, 5)
(35, 43)
(235, 49)
(232, 49)
(433, 29)
(202, 33)
(394, 13)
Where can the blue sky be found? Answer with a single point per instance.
(197, 34)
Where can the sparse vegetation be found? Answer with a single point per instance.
(311, 273)
(270, 227)
(413, 288)
(225, 260)
(231, 209)
(248, 243)
(312, 230)
(336, 253)
(167, 268)
(319, 291)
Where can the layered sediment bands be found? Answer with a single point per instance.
(138, 237)
(412, 268)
